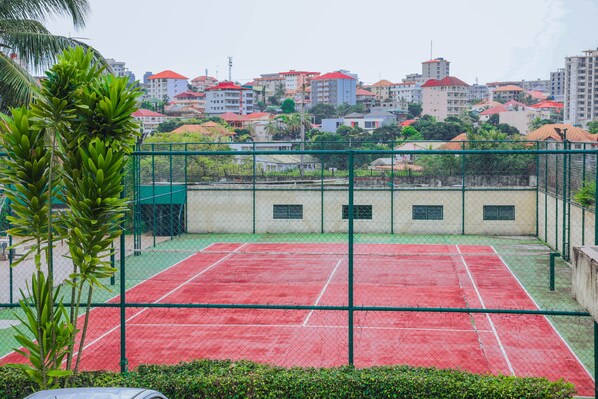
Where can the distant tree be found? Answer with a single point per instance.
(494, 120)
(593, 127)
(507, 129)
(410, 133)
(261, 106)
(537, 123)
(414, 109)
(386, 134)
(322, 111)
(288, 106)
(169, 125)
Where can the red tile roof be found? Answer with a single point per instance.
(141, 112)
(494, 110)
(408, 122)
(292, 72)
(168, 74)
(548, 104)
(187, 94)
(431, 62)
(226, 85)
(333, 76)
(508, 88)
(362, 92)
(203, 78)
(573, 133)
(455, 143)
(383, 83)
(232, 117)
(447, 81)
(538, 94)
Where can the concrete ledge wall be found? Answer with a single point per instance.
(585, 278)
(231, 211)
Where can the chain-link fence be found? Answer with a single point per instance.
(333, 256)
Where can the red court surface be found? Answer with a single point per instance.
(398, 275)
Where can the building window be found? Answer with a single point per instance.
(427, 212)
(287, 212)
(359, 212)
(499, 212)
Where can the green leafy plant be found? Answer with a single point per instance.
(586, 196)
(70, 145)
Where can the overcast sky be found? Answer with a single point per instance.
(488, 40)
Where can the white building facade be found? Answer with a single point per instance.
(166, 83)
(581, 95)
(228, 97)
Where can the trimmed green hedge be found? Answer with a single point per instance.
(227, 379)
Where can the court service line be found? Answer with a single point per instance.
(164, 296)
(545, 317)
(322, 292)
(492, 326)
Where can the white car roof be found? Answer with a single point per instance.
(97, 393)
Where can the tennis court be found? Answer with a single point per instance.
(310, 274)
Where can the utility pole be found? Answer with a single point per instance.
(230, 67)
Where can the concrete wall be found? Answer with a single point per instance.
(231, 211)
(585, 278)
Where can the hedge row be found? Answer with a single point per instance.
(227, 379)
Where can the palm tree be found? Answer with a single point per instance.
(23, 38)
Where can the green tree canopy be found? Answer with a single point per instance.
(288, 106)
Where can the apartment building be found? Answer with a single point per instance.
(228, 97)
(438, 69)
(478, 92)
(295, 81)
(148, 120)
(507, 93)
(557, 84)
(166, 83)
(334, 88)
(581, 93)
(445, 97)
(381, 89)
(119, 68)
(403, 92)
(201, 83)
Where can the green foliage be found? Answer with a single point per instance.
(288, 106)
(53, 326)
(443, 131)
(322, 111)
(586, 195)
(593, 127)
(227, 379)
(414, 109)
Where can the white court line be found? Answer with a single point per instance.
(322, 292)
(164, 296)
(309, 326)
(128, 289)
(545, 317)
(475, 287)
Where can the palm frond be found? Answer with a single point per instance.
(15, 84)
(38, 50)
(21, 25)
(41, 10)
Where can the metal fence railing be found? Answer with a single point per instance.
(326, 257)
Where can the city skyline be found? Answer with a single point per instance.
(387, 42)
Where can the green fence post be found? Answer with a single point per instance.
(322, 198)
(154, 195)
(350, 259)
(112, 264)
(10, 253)
(546, 195)
(565, 251)
(123, 315)
(254, 188)
(583, 208)
(596, 243)
(551, 270)
(171, 207)
(392, 189)
(537, 187)
(462, 189)
(556, 201)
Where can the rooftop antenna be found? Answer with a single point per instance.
(431, 50)
(206, 72)
(230, 67)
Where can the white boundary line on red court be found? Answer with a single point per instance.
(322, 292)
(546, 318)
(167, 294)
(475, 287)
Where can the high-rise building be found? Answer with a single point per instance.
(166, 84)
(445, 97)
(581, 95)
(557, 84)
(438, 69)
(333, 88)
(119, 69)
(228, 97)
